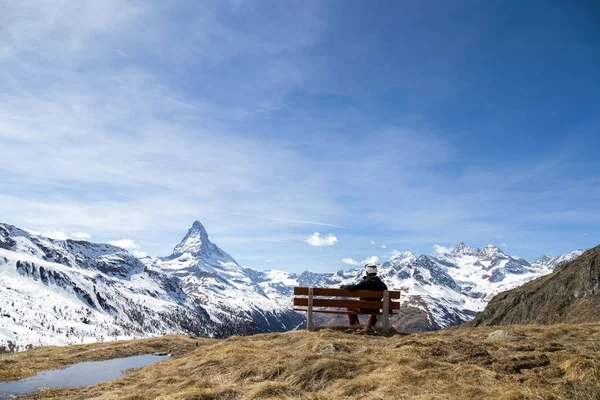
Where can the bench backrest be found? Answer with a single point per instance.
(330, 300)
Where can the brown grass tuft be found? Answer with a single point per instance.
(274, 390)
(208, 394)
(582, 370)
(320, 373)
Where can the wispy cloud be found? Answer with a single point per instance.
(441, 250)
(293, 221)
(350, 261)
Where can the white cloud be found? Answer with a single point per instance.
(370, 260)
(139, 254)
(383, 246)
(440, 250)
(124, 244)
(270, 261)
(350, 261)
(316, 240)
(372, 242)
(55, 235)
(81, 236)
(503, 244)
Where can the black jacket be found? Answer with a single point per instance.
(368, 282)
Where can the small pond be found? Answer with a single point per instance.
(76, 375)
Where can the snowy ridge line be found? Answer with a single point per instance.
(64, 292)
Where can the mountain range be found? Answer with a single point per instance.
(71, 291)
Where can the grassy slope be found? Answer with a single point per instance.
(526, 362)
(20, 365)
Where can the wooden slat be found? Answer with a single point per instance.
(332, 311)
(337, 312)
(339, 303)
(394, 305)
(333, 292)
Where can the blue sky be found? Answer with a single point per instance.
(396, 124)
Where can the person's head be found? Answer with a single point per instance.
(371, 269)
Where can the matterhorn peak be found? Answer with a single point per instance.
(194, 240)
(198, 227)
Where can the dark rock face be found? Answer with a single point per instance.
(570, 294)
(6, 242)
(438, 275)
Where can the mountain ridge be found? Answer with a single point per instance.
(64, 292)
(200, 289)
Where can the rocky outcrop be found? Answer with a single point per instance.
(570, 294)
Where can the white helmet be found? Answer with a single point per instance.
(371, 269)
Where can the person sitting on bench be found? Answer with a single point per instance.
(369, 282)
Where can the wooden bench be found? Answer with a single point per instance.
(322, 300)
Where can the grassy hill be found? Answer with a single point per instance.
(517, 362)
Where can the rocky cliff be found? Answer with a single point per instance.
(570, 294)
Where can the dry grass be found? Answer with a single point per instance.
(20, 365)
(528, 362)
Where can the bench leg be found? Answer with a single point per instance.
(309, 311)
(385, 320)
(385, 317)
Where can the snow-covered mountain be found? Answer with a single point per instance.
(68, 291)
(221, 285)
(552, 262)
(63, 292)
